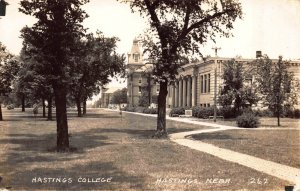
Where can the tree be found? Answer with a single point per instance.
(275, 85)
(9, 67)
(119, 97)
(53, 36)
(95, 62)
(178, 28)
(234, 91)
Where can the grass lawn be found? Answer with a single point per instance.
(265, 122)
(281, 146)
(117, 150)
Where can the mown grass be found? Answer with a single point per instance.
(278, 145)
(111, 146)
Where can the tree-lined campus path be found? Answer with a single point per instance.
(108, 146)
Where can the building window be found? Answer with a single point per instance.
(208, 105)
(201, 83)
(208, 83)
(205, 83)
(140, 89)
(136, 57)
(140, 80)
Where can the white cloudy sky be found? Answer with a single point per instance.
(272, 26)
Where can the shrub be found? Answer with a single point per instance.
(178, 111)
(195, 111)
(11, 106)
(129, 109)
(263, 113)
(247, 120)
(150, 111)
(227, 112)
(205, 112)
(140, 109)
(297, 113)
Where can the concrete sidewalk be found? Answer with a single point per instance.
(284, 172)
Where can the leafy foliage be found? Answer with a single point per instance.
(52, 37)
(275, 84)
(177, 111)
(234, 91)
(178, 29)
(119, 96)
(247, 120)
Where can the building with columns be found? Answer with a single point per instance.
(195, 84)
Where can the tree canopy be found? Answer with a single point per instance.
(275, 85)
(178, 28)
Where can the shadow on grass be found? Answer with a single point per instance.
(215, 136)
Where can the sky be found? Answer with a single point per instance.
(271, 26)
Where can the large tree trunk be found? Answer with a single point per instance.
(161, 130)
(44, 107)
(78, 104)
(61, 118)
(49, 118)
(84, 107)
(1, 118)
(23, 103)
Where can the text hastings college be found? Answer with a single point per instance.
(46, 180)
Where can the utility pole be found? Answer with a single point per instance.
(215, 87)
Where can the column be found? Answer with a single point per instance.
(180, 93)
(176, 93)
(194, 83)
(189, 91)
(173, 96)
(184, 92)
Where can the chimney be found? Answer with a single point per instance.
(258, 54)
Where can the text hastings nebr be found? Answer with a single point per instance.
(45, 180)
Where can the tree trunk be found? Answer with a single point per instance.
(44, 107)
(161, 130)
(23, 103)
(1, 118)
(61, 118)
(84, 107)
(78, 104)
(49, 118)
(278, 117)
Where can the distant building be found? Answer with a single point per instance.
(106, 95)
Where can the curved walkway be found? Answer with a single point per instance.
(284, 172)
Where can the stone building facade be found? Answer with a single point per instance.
(139, 76)
(196, 83)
